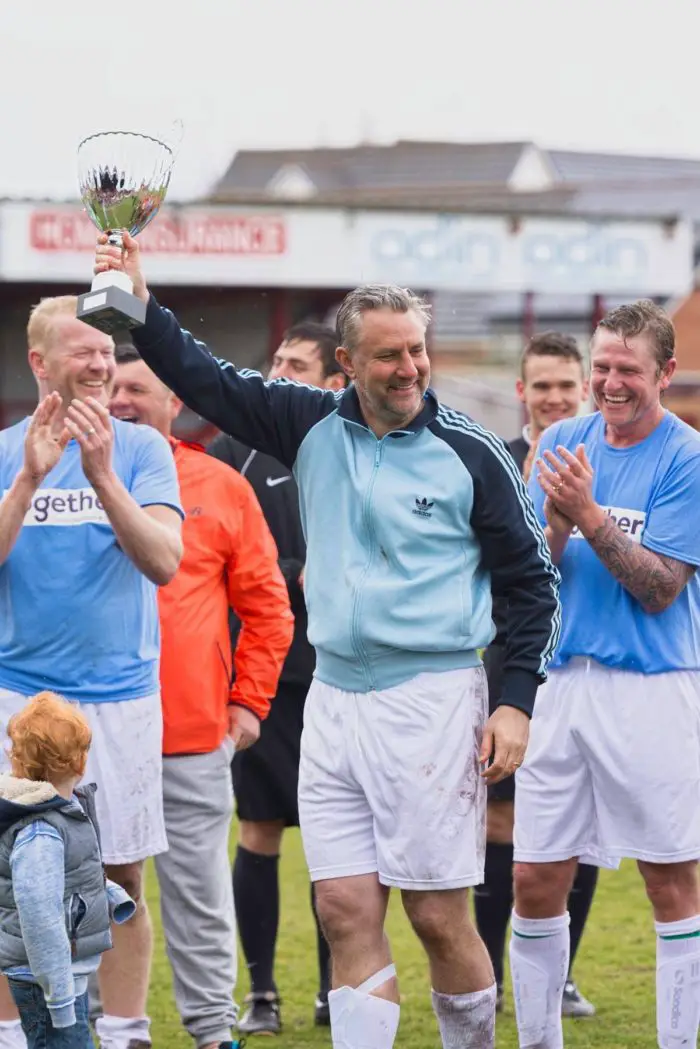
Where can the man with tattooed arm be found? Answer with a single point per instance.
(612, 769)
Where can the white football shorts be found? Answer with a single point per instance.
(612, 769)
(389, 781)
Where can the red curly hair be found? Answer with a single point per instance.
(50, 739)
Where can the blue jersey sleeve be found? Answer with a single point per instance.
(669, 529)
(154, 478)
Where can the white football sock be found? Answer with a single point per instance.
(117, 1032)
(539, 962)
(12, 1035)
(678, 982)
(467, 1021)
(360, 1020)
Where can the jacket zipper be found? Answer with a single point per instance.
(357, 601)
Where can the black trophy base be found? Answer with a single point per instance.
(111, 310)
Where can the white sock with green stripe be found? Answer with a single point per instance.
(539, 962)
(678, 982)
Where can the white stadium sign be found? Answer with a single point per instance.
(333, 248)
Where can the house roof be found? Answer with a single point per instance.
(480, 198)
(402, 165)
(581, 168)
(476, 177)
(660, 197)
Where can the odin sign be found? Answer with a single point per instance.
(335, 248)
(540, 255)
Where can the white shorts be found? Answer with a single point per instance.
(125, 761)
(389, 782)
(612, 768)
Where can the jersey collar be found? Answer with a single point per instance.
(177, 442)
(350, 410)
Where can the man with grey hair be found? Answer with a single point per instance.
(412, 514)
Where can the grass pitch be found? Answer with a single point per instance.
(615, 969)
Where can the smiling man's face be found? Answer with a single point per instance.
(626, 380)
(77, 361)
(389, 367)
(140, 397)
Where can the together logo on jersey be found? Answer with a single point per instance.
(65, 506)
(631, 522)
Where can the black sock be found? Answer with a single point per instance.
(580, 900)
(324, 954)
(256, 896)
(493, 902)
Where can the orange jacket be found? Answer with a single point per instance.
(230, 559)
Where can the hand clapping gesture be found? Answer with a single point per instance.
(44, 442)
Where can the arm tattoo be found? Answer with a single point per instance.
(655, 580)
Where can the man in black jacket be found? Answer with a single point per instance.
(265, 776)
(552, 386)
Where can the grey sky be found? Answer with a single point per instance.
(256, 73)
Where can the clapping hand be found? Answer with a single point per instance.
(567, 481)
(557, 521)
(90, 424)
(44, 442)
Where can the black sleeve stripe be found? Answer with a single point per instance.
(452, 420)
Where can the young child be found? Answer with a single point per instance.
(56, 905)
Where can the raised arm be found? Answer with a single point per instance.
(271, 416)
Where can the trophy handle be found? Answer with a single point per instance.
(175, 138)
(115, 237)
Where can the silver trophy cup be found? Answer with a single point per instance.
(123, 178)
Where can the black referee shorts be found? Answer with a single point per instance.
(266, 775)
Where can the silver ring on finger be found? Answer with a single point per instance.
(90, 432)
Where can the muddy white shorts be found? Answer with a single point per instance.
(125, 761)
(612, 768)
(389, 782)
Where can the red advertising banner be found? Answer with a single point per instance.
(185, 234)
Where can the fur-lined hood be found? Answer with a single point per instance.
(20, 798)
